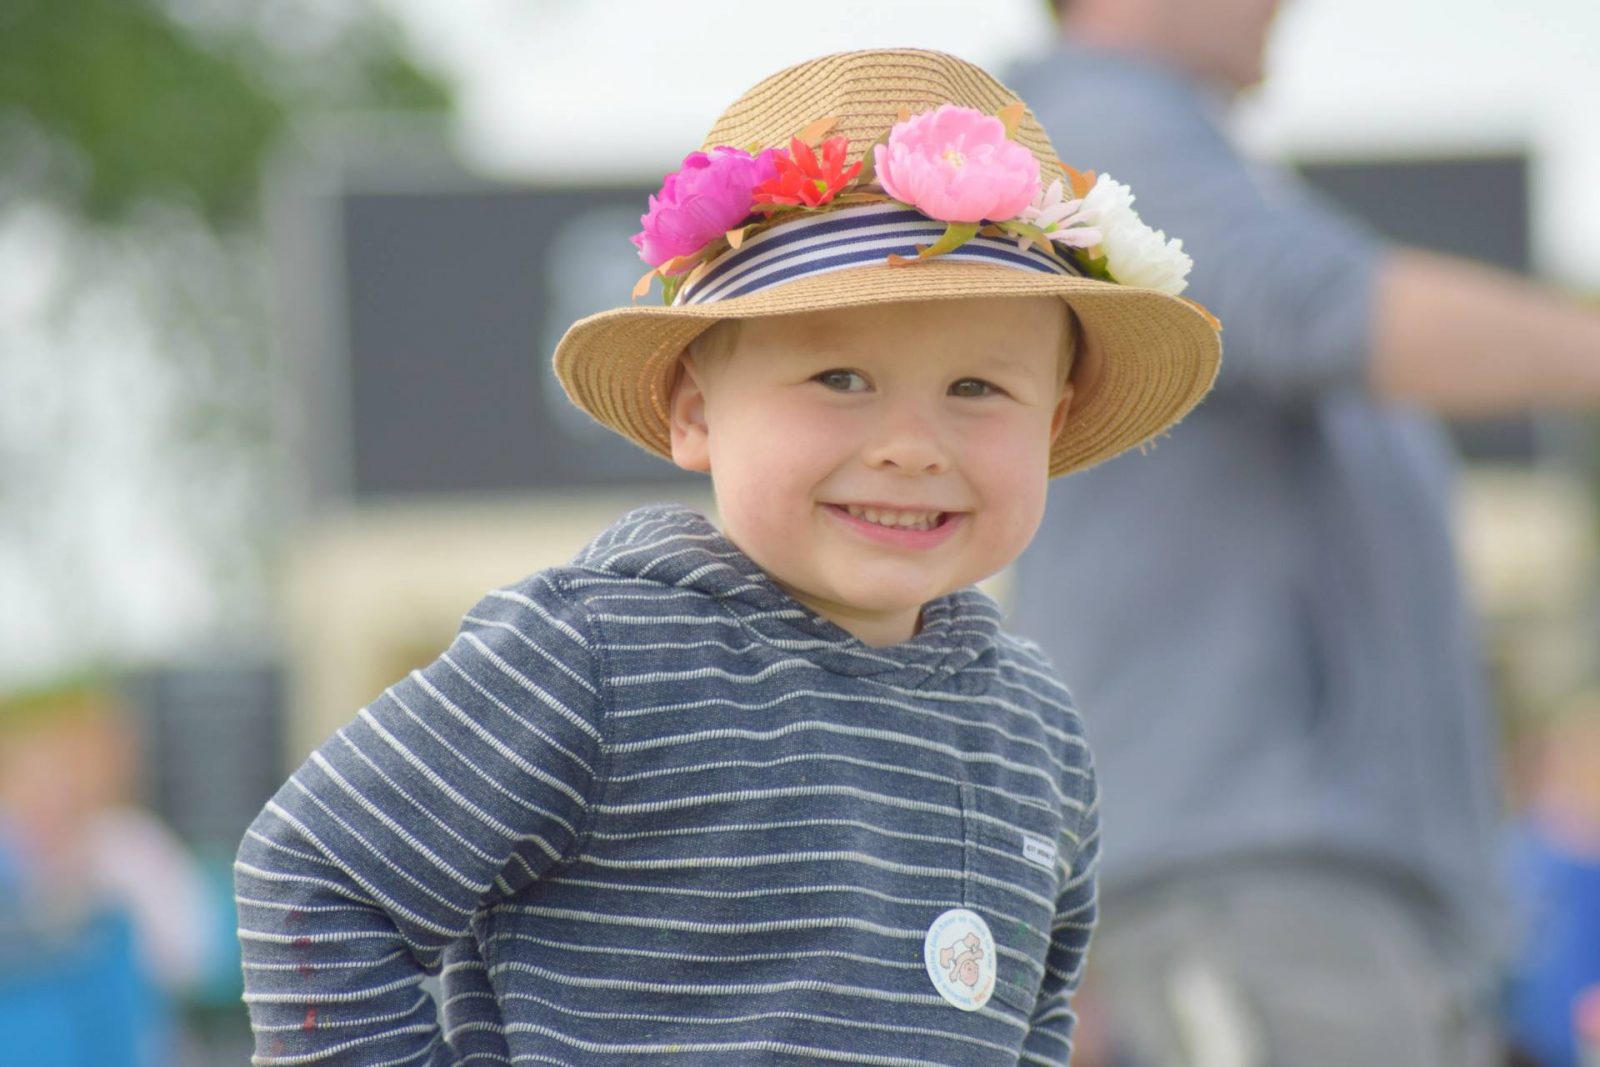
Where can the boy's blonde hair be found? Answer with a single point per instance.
(717, 343)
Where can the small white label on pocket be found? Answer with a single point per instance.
(1038, 851)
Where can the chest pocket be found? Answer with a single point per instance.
(1012, 879)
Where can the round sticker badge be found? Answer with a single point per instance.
(960, 957)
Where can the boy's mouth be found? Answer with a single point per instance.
(897, 519)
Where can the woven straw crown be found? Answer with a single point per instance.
(1145, 359)
(869, 92)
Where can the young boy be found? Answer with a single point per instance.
(782, 792)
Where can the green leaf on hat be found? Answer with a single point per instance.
(956, 234)
(869, 162)
(860, 197)
(1019, 228)
(1095, 265)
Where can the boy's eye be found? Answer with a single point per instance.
(972, 387)
(843, 381)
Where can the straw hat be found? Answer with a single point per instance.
(1144, 359)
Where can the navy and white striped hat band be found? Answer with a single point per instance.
(844, 238)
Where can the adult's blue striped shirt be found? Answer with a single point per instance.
(647, 808)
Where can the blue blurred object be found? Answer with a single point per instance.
(222, 982)
(77, 998)
(1559, 897)
(82, 1004)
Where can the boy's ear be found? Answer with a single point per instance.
(1058, 421)
(691, 447)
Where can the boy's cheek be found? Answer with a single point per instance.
(785, 445)
(1008, 452)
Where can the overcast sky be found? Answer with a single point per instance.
(629, 86)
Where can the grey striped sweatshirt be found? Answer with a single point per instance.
(648, 809)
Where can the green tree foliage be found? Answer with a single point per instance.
(124, 101)
(134, 140)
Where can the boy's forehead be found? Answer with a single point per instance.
(976, 320)
(902, 330)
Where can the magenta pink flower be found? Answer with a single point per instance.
(956, 164)
(705, 198)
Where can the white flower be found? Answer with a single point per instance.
(1110, 202)
(1138, 255)
(1064, 220)
(1135, 254)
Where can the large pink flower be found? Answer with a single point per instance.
(708, 196)
(956, 164)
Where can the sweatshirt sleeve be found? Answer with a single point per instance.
(1050, 1032)
(1290, 273)
(462, 782)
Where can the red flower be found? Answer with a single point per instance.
(805, 181)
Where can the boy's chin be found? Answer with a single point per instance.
(861, 600)
(886, 603)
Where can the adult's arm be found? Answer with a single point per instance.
(1463, 338)
(1289, 272)
(1310, 296)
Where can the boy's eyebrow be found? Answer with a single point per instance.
(825, 350)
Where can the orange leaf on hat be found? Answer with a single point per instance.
(1011, 115)
(815, 132)
(643, 285)
(1082, 180)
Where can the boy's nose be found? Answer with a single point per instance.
(907, 440)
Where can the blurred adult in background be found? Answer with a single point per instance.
(1300, 799)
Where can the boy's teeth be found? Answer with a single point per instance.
(912, 520)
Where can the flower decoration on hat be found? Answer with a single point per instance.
(1134, 253)
(957, 165)
(953, 164)
(803, 180)
(700, 202)
(1063, 221)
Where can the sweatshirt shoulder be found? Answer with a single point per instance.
(594, 599)
(1026, 666)
(543, 599)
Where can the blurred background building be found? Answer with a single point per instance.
(278, 288)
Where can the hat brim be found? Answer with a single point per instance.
(1146, 358)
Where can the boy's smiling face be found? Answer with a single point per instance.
(871, 459)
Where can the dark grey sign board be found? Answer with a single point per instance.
(445, 305)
